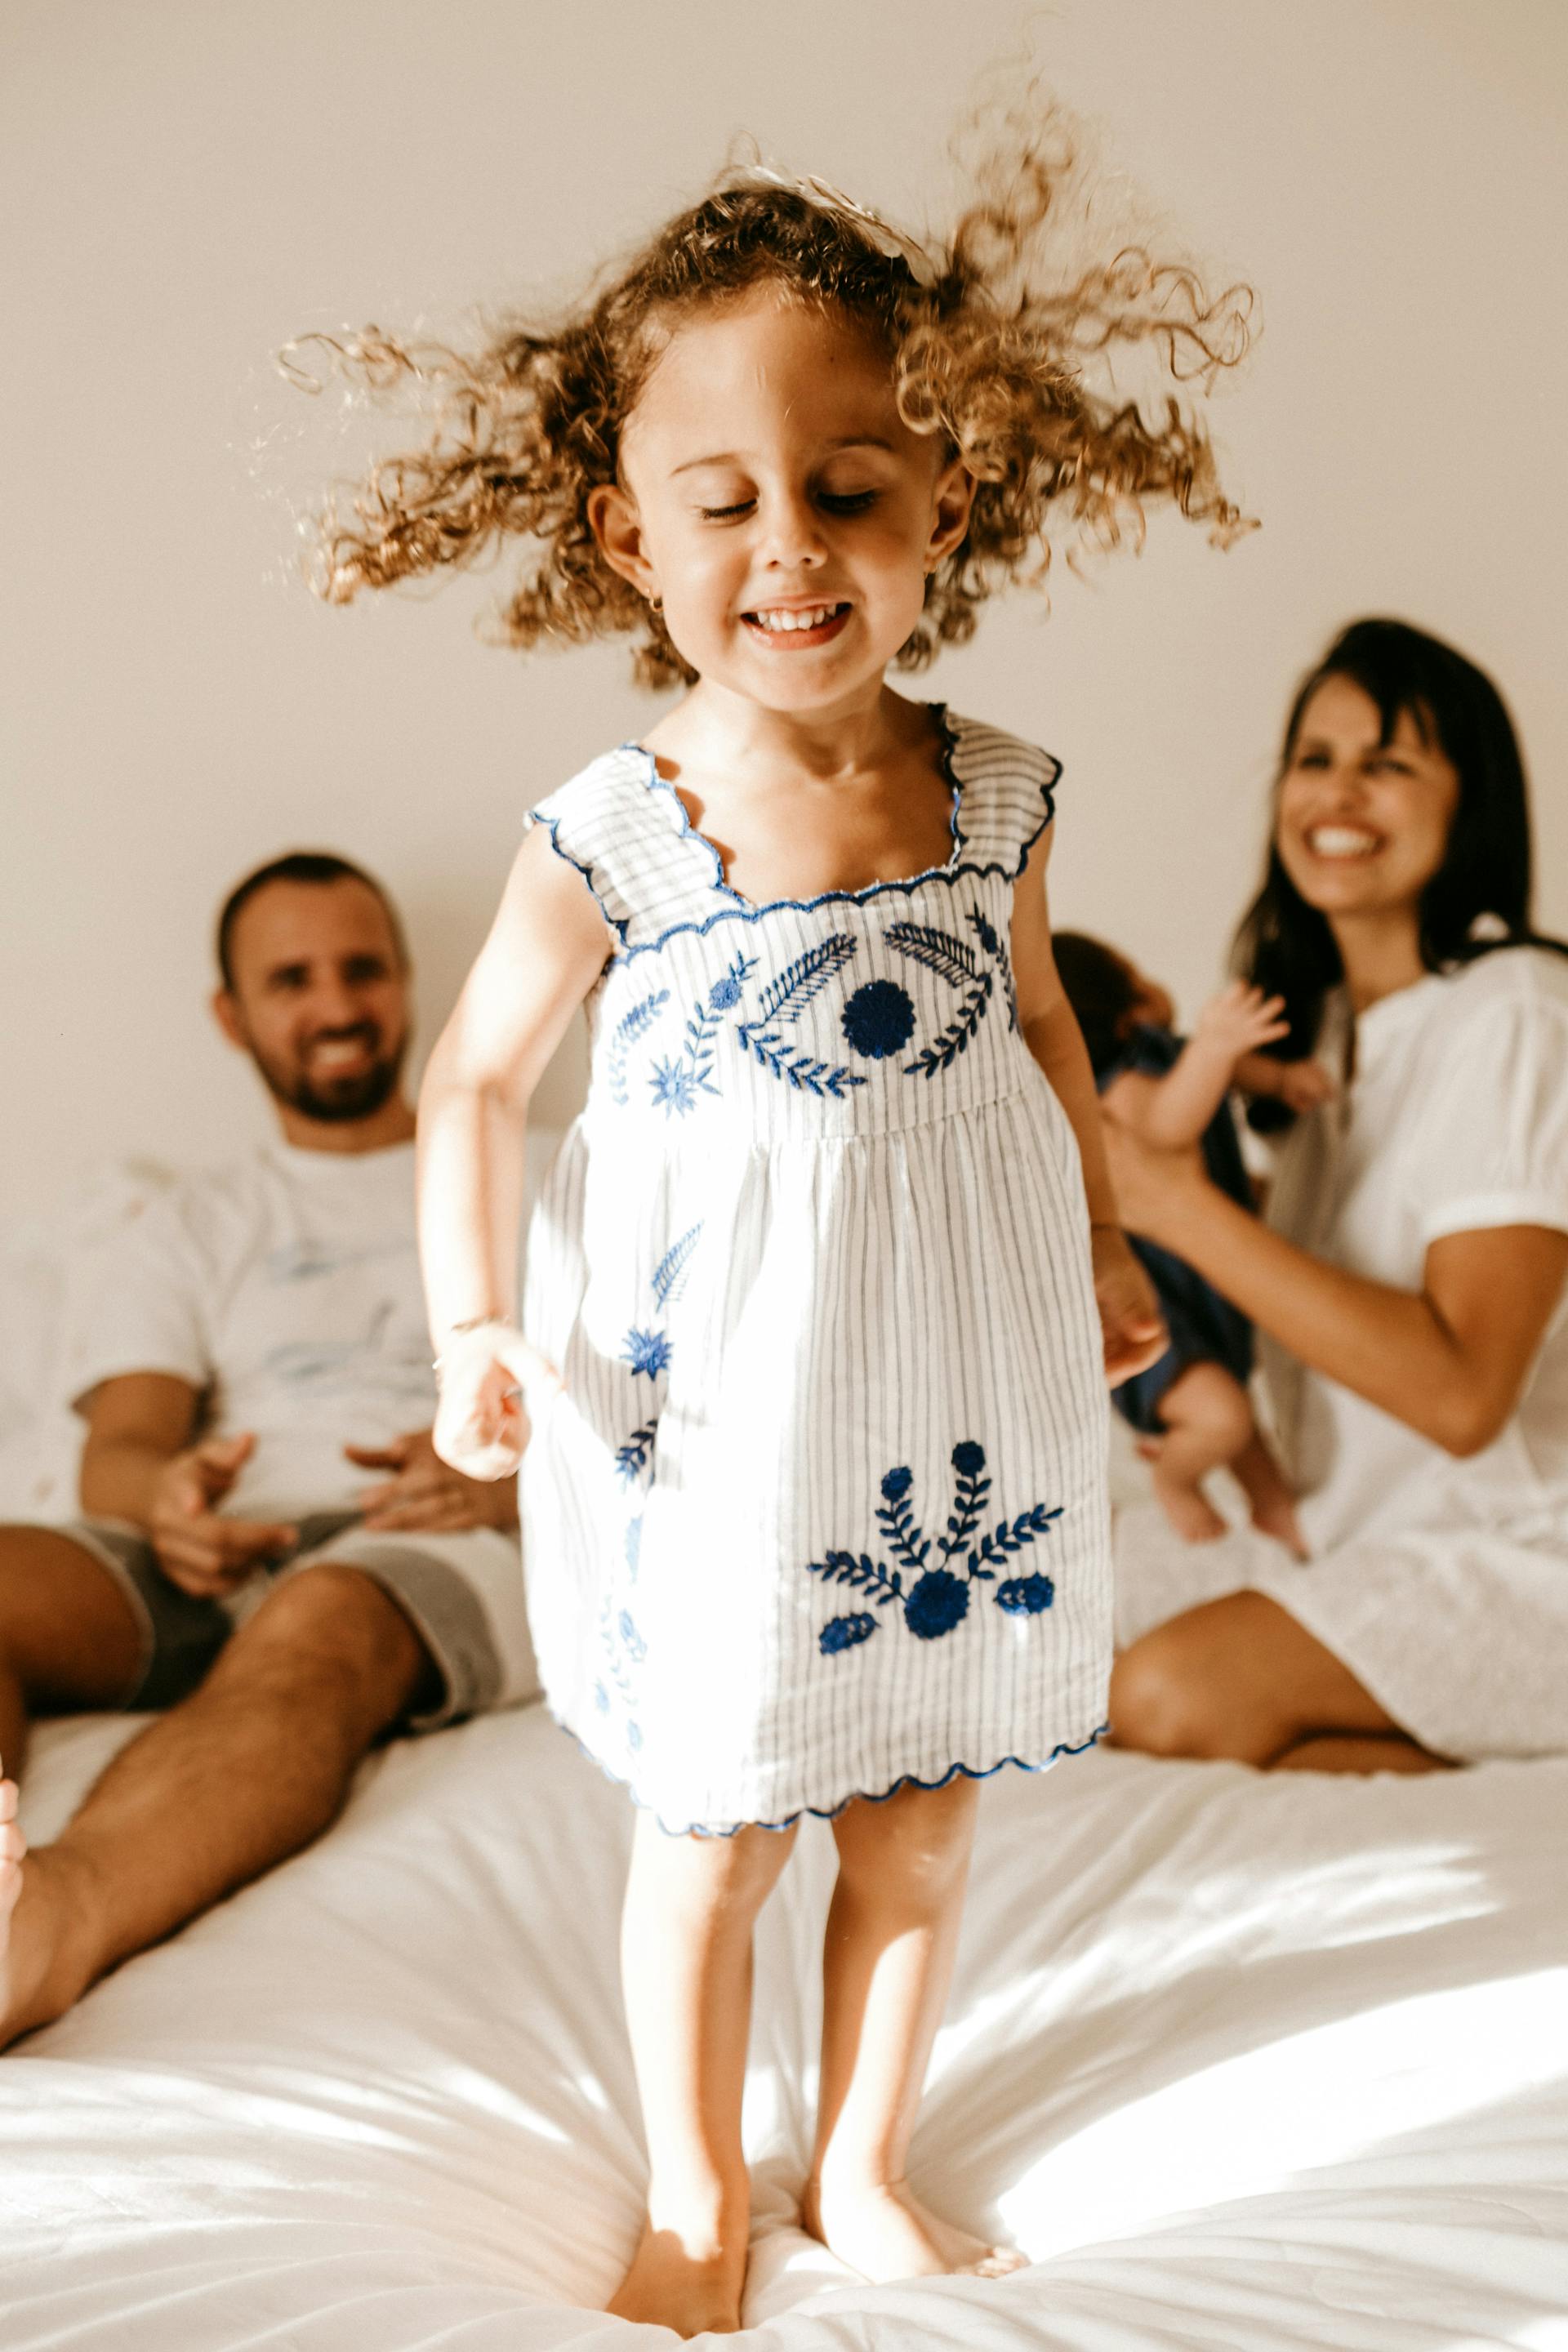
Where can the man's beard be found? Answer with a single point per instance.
(337, 1101)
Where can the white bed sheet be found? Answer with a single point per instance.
(1244, 2063)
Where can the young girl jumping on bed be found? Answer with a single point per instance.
(827, 1281)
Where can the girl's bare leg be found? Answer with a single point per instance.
(892, 1932)
(1207, 1421)
(685, 1961)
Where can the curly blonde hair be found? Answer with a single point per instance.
(1016, 376)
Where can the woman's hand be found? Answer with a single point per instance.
(1152, 1183)
(489, 1375)
(1129, 1317)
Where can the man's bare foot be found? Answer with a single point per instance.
(37, 1979)
(882, 2230)
(689, 2280)
(1188, 1508)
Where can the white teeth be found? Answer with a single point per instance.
(337, 1053)
(778, 619)
(1340, 841)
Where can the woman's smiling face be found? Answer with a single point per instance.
(777, 504)
(1363, 825)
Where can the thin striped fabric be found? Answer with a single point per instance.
(823, 1508)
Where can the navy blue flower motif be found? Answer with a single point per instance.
(843, 1632)
(723, 993)
(647, 1352)
(937, 1601)
(1026, 1596)
(878, 1019)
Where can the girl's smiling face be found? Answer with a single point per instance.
(776, 503)
(1363, 825)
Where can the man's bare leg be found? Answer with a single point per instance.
(892, 1934)
(70, 1640)
(686, 1953)
(230, 1782)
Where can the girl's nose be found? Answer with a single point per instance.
(792, 534)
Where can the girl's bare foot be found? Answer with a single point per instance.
(687, 2278)
(882, 2229)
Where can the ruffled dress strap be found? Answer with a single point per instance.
(624, 828)
(1005, 793)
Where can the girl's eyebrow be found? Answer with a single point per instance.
(733, 457)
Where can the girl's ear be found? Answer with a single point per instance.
(952, 500)
(617, 526)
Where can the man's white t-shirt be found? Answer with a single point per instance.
(285, 1289)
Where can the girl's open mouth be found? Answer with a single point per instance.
(790, 628)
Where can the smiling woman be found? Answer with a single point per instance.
(1409, 1288)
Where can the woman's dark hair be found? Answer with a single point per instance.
(1102, 990)
(1478, 899)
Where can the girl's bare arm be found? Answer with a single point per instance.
(547, 946)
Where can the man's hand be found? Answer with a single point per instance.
(1129, 1317)
(203, 1554)
(425, 1493)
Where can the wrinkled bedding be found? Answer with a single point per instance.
(1241, 2061)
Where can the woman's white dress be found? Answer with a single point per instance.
(1441, 1582)
(822, 1509)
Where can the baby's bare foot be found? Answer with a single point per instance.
(36, 1980)
(690, 2280)
(1188, 1508)
(882, 2229)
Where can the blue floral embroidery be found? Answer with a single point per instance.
(632, 1458)
(677, 1083)
(879, 1019)
(670, 1274)
(936, 1597)
(634, 1548)
(601, 1698)
(628, 1029)
(647, 1352)
(782, 1001)
(954, 960)
(631, 1640)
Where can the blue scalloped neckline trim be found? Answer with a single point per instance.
(948, 732)
(856, 1796)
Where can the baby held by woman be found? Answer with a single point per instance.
(1191, 1408)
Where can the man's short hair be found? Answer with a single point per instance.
(316, 865)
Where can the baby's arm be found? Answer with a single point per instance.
(1173, 1110)
(546, 948)
(1130, 1314)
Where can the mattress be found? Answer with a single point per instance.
(1239, 2061)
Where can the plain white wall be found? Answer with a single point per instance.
(187, 185)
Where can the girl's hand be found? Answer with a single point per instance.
(1129, 1317)
(488, 1375)
(1240, 1020)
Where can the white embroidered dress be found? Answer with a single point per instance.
(823, 1508)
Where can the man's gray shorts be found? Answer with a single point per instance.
(462, 1594)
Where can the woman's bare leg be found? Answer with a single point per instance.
(892, 1933)
(1207, 1421)
(1337, 1751)
(686, 1960)
(1239, 1678)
